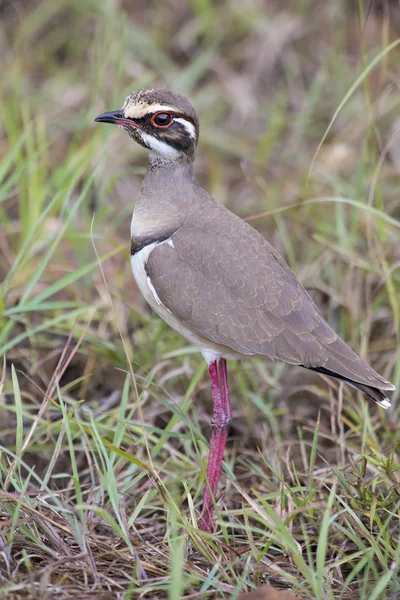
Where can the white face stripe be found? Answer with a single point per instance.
(141, 109)
(188, 126)
(160, 148)
(153, 108)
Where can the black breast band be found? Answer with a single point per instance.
(140, 242)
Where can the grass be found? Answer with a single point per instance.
(104, 411)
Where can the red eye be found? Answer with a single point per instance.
(162, 119)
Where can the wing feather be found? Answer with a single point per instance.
(225, 282)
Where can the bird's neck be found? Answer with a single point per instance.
(166, 199)
(157, 161)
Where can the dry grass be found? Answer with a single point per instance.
(104, 411)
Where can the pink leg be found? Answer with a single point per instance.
(220, 424)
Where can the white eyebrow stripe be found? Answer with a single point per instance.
(188, 126)
(141, 109)
(156, 107)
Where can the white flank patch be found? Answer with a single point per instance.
(188, 126)
(138, 262)
(160, 148)
(209, 350)
(153, 291)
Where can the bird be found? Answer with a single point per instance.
(214, 278)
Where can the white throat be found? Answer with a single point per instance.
(160, 152)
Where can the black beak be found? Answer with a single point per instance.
(115, 117)
(109, 117)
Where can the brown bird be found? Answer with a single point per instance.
(214, 278)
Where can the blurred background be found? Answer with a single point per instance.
(266, 79)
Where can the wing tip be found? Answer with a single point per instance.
(389, 387)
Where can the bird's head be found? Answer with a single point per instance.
(162, 121)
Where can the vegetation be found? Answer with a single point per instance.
(104, 411)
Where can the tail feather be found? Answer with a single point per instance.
(374, 393)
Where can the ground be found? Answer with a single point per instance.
(104, 411)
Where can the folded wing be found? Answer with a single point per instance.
(225, 282)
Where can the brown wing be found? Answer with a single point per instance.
(224, 281)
